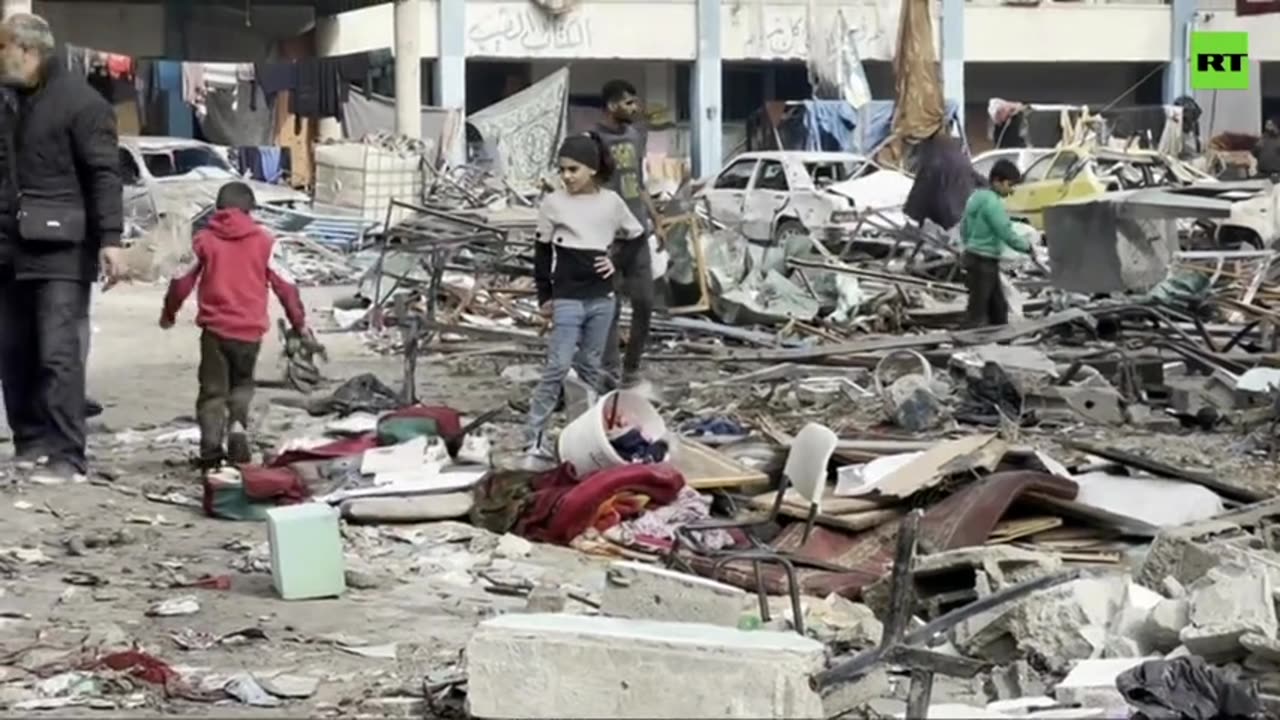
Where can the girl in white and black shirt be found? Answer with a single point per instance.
(576, 228)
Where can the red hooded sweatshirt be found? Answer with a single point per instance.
(233, 267)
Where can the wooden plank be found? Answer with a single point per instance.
(706, 469)
(1010, 530)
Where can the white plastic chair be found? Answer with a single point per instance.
(806, 469)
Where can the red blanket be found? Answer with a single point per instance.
(562, 507)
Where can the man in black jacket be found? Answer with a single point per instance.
(61, 218)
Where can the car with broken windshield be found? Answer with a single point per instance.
(785, 196)
(163, 175)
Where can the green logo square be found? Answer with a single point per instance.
(1219, 61)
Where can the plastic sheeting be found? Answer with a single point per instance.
(364, 116)
(527, 129)
(835, 68)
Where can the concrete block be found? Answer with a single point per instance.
(951, 579)
(558, 666)
(1225, 605)
(1092, 683)
(1264, 647)
(1187, 552)
(647, 592)
(1163, 631)
(941, 578)
(1069, 622)
(1013, 681)
(1130, 623)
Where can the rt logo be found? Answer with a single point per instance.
(1219, 61)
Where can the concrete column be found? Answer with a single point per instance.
(953, 53)
(708, 131)
(15, 7)
(1176, 79)
(408, 52)
(451, 68)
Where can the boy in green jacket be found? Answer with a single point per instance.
(986, 231)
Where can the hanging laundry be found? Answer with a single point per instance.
(324, 84)
(276, 77)
(272, 163)
(249, 159)
(220, 75)
(120, 67)
(77, 59)
(193, 86)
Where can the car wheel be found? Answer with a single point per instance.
(792, 235)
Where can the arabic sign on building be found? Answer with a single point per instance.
(523, 30)
(590, 30)
(762, 31)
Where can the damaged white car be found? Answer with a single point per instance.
(783, 196)
(178, 175)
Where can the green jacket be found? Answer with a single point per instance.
(986, 228)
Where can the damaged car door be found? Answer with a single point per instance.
(1047, 181)
(728, 192)
(139, 207)
(768, 196)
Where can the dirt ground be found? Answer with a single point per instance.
(80, 566)
(95, 557)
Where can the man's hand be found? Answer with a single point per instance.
(604, 266)
(546, 310)
(165, 322)
(113, 267)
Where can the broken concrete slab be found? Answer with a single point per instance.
(1069, 621)
(1263, 647)
(1187, 552)
(837, 620)
(1013, 681)
(555, 666)
(1228, 603)
(947, 580)
(1092, 683)
(1130, 623)
(647, 592)
(1163, 630)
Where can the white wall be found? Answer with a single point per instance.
(1068, 32)
(777, 29)
(1264, 31)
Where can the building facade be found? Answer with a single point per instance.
(710, 62)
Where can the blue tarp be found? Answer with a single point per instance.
(835, 125)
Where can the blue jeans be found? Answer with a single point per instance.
(579, 331)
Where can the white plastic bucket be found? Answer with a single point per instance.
(584, 443)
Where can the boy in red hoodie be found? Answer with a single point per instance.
(233, 268)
